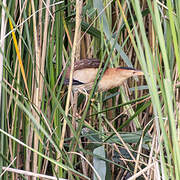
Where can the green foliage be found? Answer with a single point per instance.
(132, 127)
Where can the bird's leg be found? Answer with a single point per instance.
(83, 91)
(100, 107)
(74, 108)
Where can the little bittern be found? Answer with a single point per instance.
(85, 71)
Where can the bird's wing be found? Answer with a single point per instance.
(85, 71)
(75, 82)
(86, 63)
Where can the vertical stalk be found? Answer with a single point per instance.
(75, 55)
(2, 43)
(36, 87)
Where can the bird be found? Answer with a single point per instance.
(85, 71)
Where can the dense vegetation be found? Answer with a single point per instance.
(128, 132)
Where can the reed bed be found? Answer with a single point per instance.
(48, 131)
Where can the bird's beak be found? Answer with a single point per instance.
(129, 72)
(138, 73)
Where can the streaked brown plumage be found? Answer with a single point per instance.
(85, 71)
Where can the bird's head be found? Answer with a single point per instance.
(129, 72)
